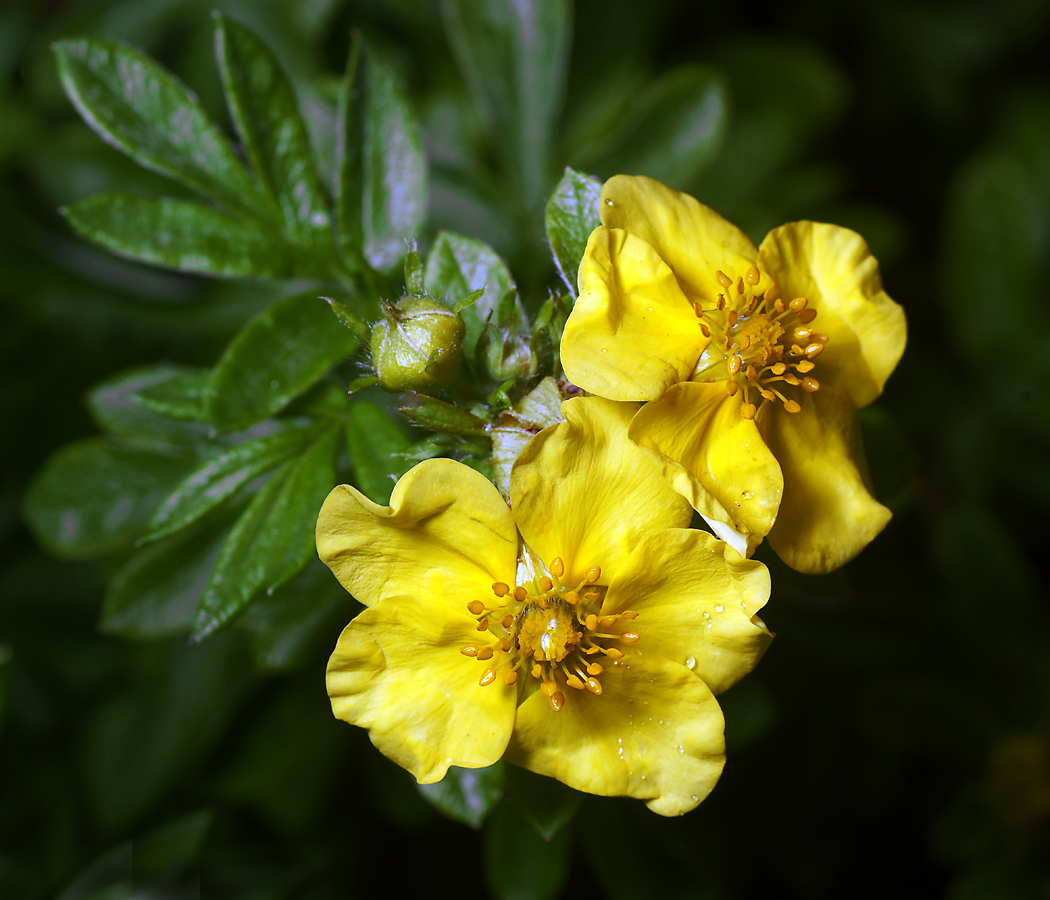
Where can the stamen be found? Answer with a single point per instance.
(614, 653)
(520, 593)
(721, 302)
(628, 637)
(591, 596)
(798, 304)
(537, 670)
(752, 373)
(769, 395)
(723, 279)
(607, 622)
(485, 653)
(593, 574)
(813, 350)
(778, 368)
(483, 625)
(469, 650)
(753, 275)
(779, 305)
(572, 597)
(573, 682)
(594, 686)
(628, 614)
(748, 410)
(557, 567)
(806, 366)
(487, 678)
(500, 589)
(545, 584)
(809, 383)
(807, 316)
(510, 676)
(792, 380)
(591, 622)
(557, 701)
(791, 406)
(476, 607)
(740, 285)
(733, 364)
(771, 294)
(504, 645)
(801, 332)
(704, 330)
(507, 620)
(549, 688)
(594, 669)
(731, 388)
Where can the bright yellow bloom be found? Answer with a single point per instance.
(753, 360)
(582, 635)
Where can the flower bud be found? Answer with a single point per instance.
(416, 344)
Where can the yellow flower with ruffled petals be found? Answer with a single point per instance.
(753, 360)
(583, 635)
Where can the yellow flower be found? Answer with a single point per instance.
(583, 635)
(753, 360)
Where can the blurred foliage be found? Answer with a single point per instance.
(164, 443)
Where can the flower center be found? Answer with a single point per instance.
(551, 632)
(756, 340)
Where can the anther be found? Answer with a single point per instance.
(818, 337)
(504, 645)
(753, 275)
(476, 607)
(510, 676)
(591, 622)
(594, 573)
(520, 593)
(731, 388)
(591, 596)
(769, 395)
(628, 637)
(573, 682)
(545, 583)
(771, 294)
(801, 333)
(744, 342)
(791, 406)
(469, 650)
(721, 302)
(628, 614)
(740, 285)
(558, 567)
(809, 383)
(483, 625)
(557, 701)
(733, 364)
(485, 653)
(500, 589)
(807, 316)
(747, 410)
(797, 350)
(724, 279)
(779, 368)
(731, 317)
(779, 306)
(814, 350)
(487, 678)
(537, 670)
(613, 653)
(594, 669)
(806, 366)
(704, 330)
(607, 622)
(791, 379)
(571, 597)
(752, 373)
(798, 304)
(594, 686)
(549, 688)
(507, 620)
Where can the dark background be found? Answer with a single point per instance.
(896, 737)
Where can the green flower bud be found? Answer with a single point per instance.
(416, 344)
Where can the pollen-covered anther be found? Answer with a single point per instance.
(628, 614)
(704, 330)
(476, 607)
(595, 669)
(806, 366)
(591, 622)
(520, 593)
(731, 388)
(748, 410)
(557, 567)
(485, 653)
(809, 383)
(767, 394)
(574, 681)
(469, 650)
(507, 621)
(510, 676)
(791, 406)
(501, 589)
(487, 678)
(483, 625)
(814, 349)
(778, 368)
(723, 279)
(557, 700)
(544, 583)
(629, 637)
(771, 294)
(572, 597)
(733, 364)
(594, 686)
(504, 645)
(753, 276)
(613, 653)
(594, 573)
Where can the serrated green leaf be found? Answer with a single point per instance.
(458, 266)
(220, 477)
(513, 58)
(376, 445)
(545, 803)
(93, 497)
(302, 616)
(190, 237)
(381, 167)
(677, 128)
(438, 415)
(182, 397)
(116, 407)
(572, 214)
(275, 357)
(274, 539)
(467, 795)
(155, 593)
(264, 109)
(140, 108)
(519, 864)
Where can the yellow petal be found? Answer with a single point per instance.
(713, 456)
(691, 238)
(632, 332)
(696, 600)
(655, 733)
(398, 672)
(447, 534)
(827, 515)
(834, 270)
(583, 492)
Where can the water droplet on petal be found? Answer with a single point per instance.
(690, 662)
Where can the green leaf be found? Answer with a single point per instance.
(519, 864)
(190, 237)
(349, 319)
(677, 128)
(275, 357)
(381, 167)
(513, 58)
(467, 795)
(183, 396)
(93, 497)
(155, 593)
(458, 266)
(264, 109)
(572, 214)
(300, 618)
(140, 108)
(274, 539)
(222, 476)
(117, 406)
(438, 415)
(375, 444)
(545, 803)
